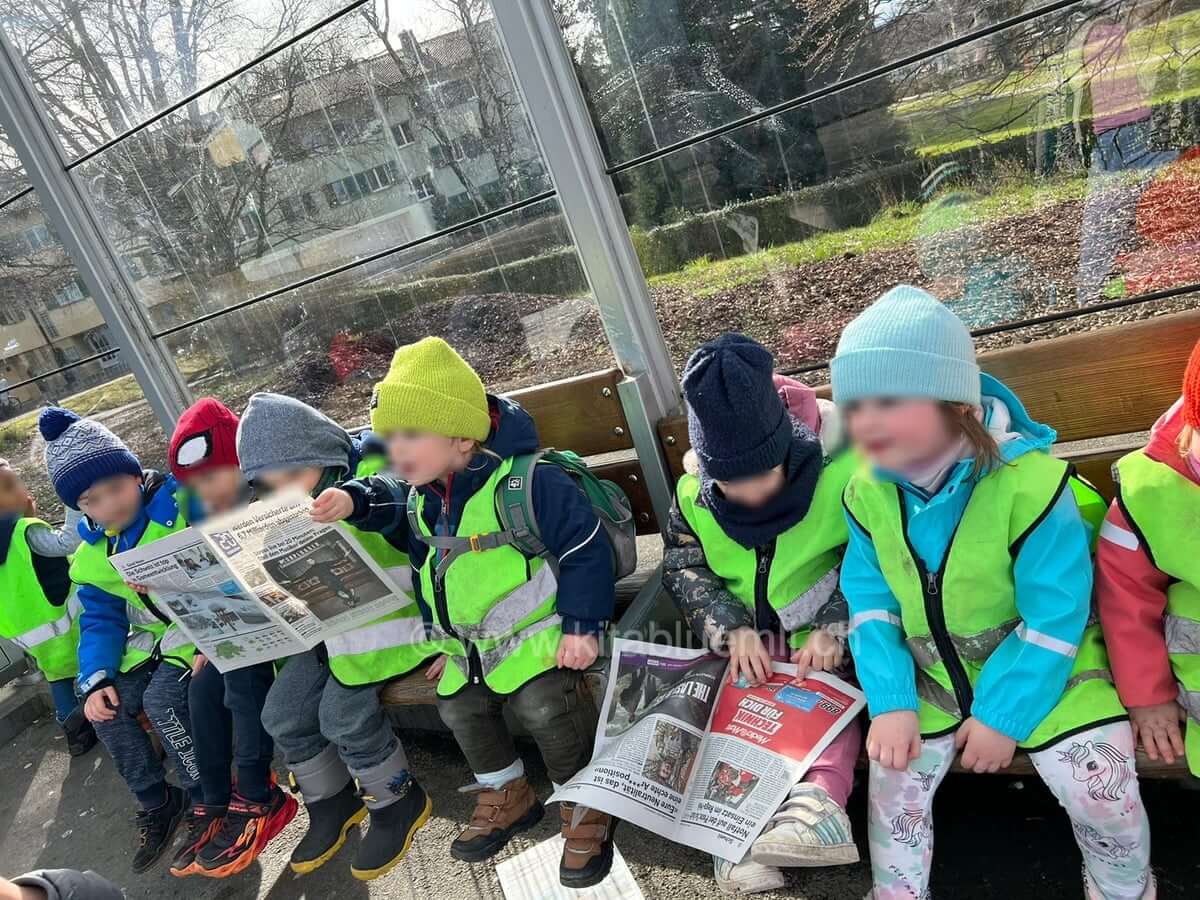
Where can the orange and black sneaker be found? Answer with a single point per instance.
(202, 822)
(244, 832)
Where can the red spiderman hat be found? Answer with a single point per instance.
(205, 437)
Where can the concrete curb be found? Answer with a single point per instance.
(20, 707)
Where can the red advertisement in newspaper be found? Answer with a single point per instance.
(781, 716)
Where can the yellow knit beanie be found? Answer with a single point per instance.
(429, 387)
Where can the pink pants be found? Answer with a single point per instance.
(834, 769)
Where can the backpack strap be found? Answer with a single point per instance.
(514, 503)
(453, 546)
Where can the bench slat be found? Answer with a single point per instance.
(582, 414)
(628, 474)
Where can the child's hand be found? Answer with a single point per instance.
(984, 749)
(822, 651)
(137, 588)
(101, 705)
(748, 656)
(199, 661)
(332, 505)
(578, 651)
(434, 672)
(30, 507)
(894, 739)
(1158, 727)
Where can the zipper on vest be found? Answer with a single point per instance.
(935, 614)
(763, 614)
(442, 605)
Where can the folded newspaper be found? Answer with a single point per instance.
(683, 753)
(263, 582)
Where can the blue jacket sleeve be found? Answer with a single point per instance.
(103, 628)
(573, 533)
(1026, 675)
(882, 660)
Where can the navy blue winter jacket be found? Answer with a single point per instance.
(568, 526)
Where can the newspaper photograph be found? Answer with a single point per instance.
(687, 755)
(263, 582)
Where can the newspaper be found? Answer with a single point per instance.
(683, 753)
(263, 582)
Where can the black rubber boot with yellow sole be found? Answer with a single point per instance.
(391, 831)
(329, 822)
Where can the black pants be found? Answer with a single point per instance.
(556, 708)
(226, 713)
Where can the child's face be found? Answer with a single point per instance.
(219, 489)
(755, 491)
(113, 502)
(898, 434)
(15, 499)
(306, 479)
(420, 457)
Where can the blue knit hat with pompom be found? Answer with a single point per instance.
(80, 452)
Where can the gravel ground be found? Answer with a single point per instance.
(998, 838)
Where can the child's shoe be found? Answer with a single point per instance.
(200, 825)
(588, 849)
(746, 877)
(499, 816)
(81, 736)
(810, 829)
(329, 821)
(391, 831)
(156, 827)
(244, 832)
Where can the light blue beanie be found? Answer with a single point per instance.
(905, 344)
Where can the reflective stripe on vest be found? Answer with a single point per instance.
(1163, 506)
(976, 596)
(496, 599)
(47, 632)
(392, 644)
(803, 574)
(35, 636)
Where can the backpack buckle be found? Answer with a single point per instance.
(474, 540)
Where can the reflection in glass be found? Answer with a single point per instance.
(1052, 166)
(397, 120)
(102, 68)
(656, 72)
(47, 318)
(509, 294)
(92, 389)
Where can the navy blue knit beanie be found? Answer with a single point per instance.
(737, 422)
(80, 452)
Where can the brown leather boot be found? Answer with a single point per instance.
(588, 852)
(498, 817)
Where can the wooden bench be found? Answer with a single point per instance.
(1104, 386)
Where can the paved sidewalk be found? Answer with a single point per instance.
(997, 839)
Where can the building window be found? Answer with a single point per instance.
(422, 186)
(100, 342)
(11, 314)
(402, 132)
(249, 226)
(452, 93)
(39, 237)
(71, 292)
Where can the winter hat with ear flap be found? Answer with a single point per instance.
(80, 452)
(205, 437)
(906, 344)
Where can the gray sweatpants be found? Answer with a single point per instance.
(163, 694)
(306, 710)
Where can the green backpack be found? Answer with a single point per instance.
(514, 504)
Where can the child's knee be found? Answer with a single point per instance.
(545, 701)
(278, 714)
(348, 716)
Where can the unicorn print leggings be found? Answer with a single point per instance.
(1091, 773)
